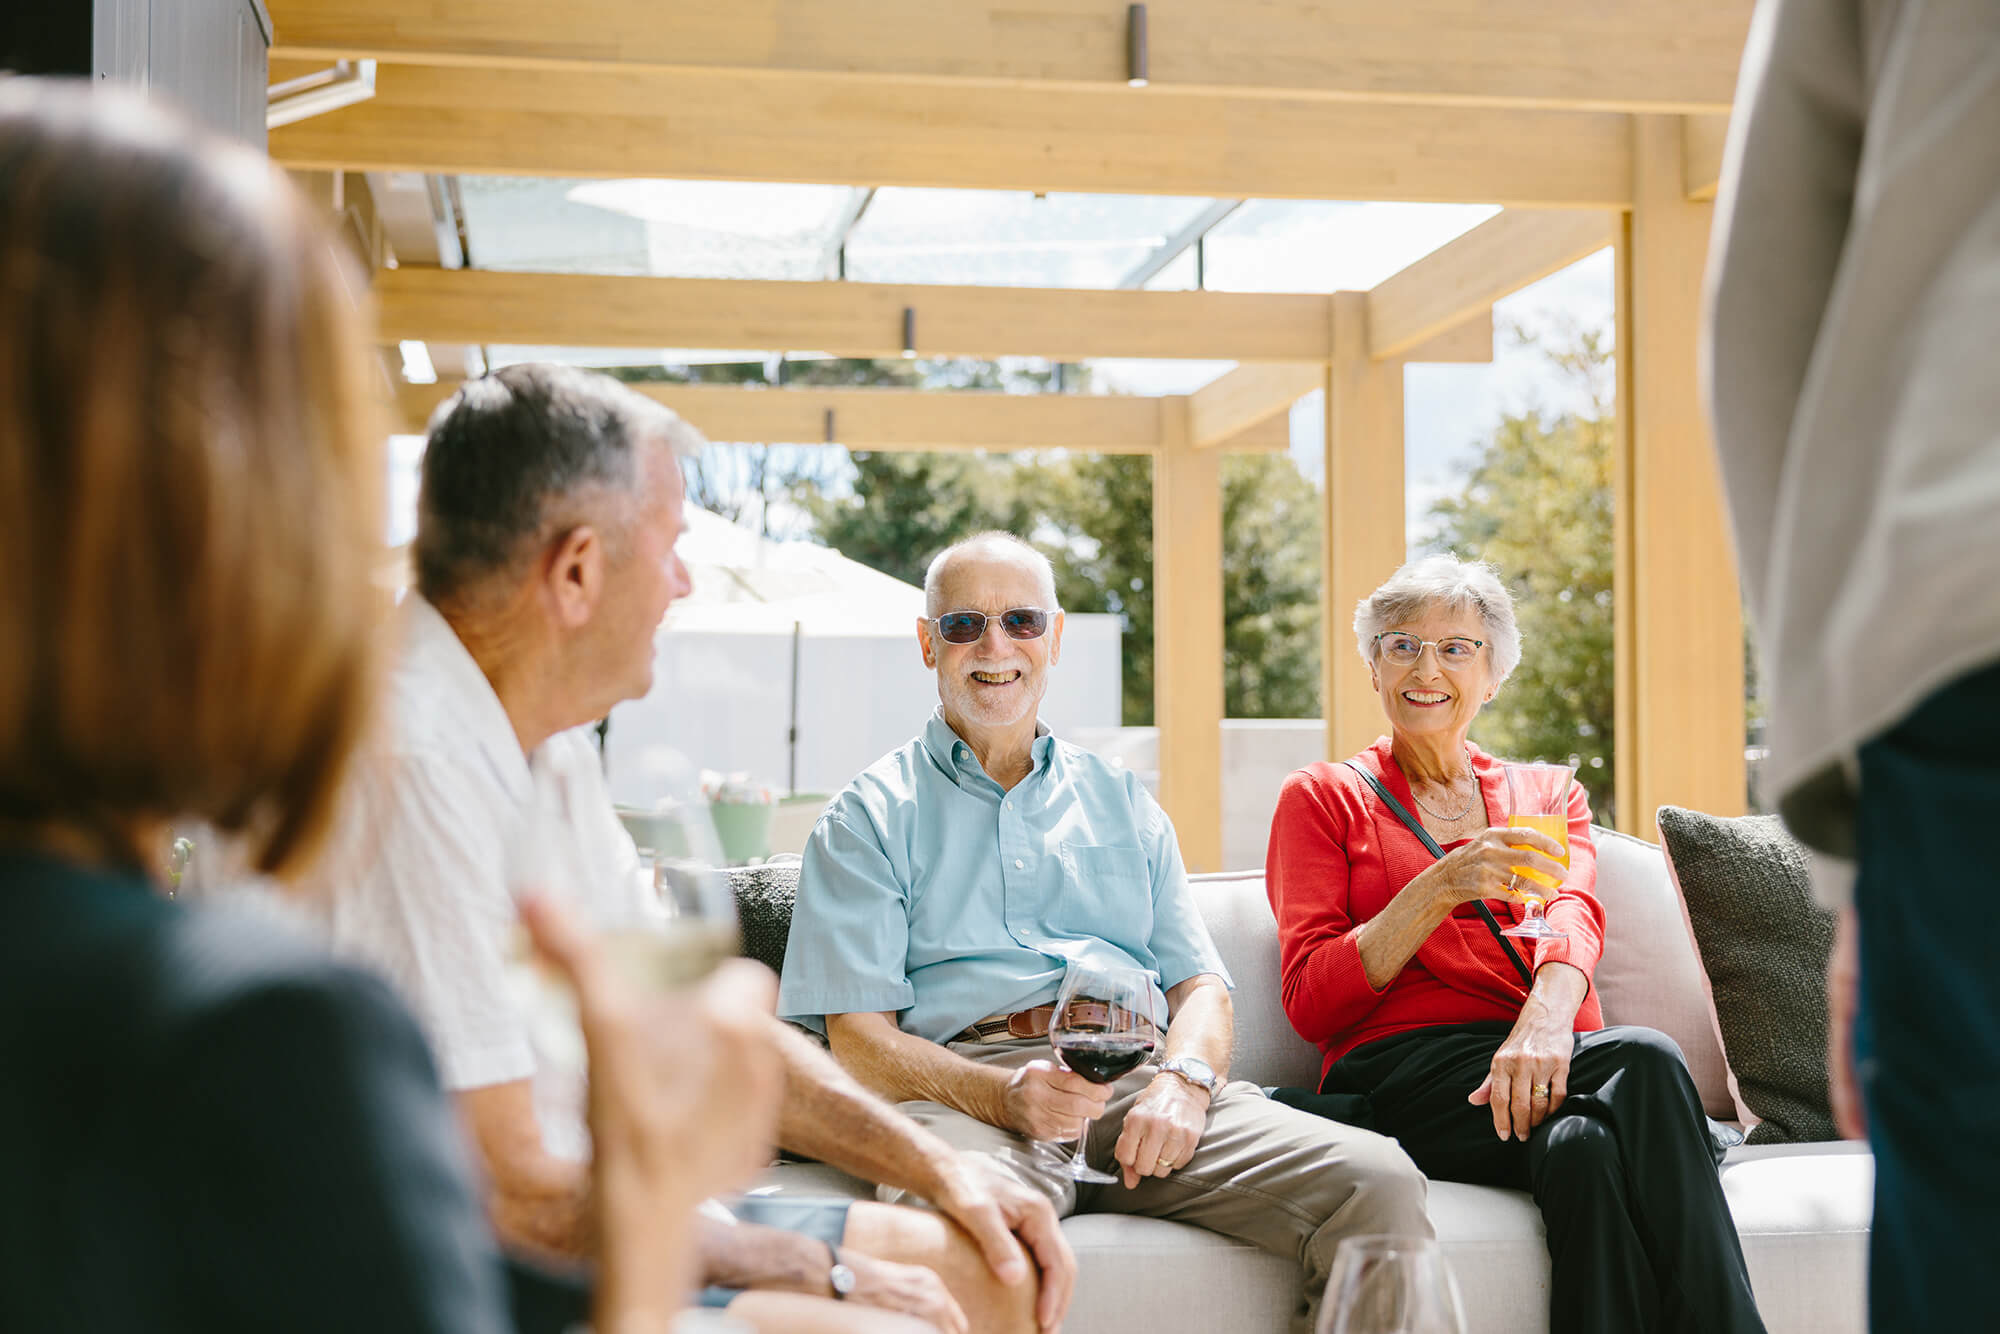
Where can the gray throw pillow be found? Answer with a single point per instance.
(764, 896)
(1764, 943)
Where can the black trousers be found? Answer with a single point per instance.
(1640, 1237)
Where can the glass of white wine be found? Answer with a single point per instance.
(667, 918)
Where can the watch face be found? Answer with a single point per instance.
(1196, 1069)
(842, 1279)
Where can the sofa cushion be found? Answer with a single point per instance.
(1764, 945)
(1268, 1050)
(1802, 1211)
(764, 897)
(1650, 974)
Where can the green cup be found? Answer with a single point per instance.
(743, 828)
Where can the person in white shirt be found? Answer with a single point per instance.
(551, 502)
(1853, 368)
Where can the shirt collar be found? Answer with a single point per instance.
(950, 753)
(452, 679)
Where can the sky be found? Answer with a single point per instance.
(716, 229)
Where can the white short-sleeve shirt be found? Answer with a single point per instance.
(415, 878)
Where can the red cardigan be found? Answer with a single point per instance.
(1338, 855)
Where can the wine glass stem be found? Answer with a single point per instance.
(1082, 1138)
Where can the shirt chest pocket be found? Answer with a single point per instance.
(1107, 892)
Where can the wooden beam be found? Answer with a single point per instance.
(1678, 630)
(1467, 343)
(833, 130)
(1495, 259)
(1251, 396)
(1187, 635)
(1701, 154)
(1246, 397)
(903, 419)
(848, 319)
(1363, 526)
(1573, 54)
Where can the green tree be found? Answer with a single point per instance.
(1093, 516)
(1538, 506)
(1099, 537)
(902, 508)
(1270, 588)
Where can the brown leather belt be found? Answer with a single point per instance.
(1018, 1025)
(1007, 1027)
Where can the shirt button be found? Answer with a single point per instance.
(1018, 863)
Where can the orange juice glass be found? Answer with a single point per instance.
(1538, 799)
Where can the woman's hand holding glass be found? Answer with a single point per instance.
(684, 1092)
(1486, 865)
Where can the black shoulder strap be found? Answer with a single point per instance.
(1424, 835)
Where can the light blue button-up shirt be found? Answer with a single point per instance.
(929, 890)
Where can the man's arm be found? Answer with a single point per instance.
(1040, 1100)
(1166, 1123)
(536, 1201)
(1201, 1022)
(829, 1115)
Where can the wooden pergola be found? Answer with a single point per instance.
(1593, 122)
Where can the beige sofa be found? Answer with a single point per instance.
(1802, 1210)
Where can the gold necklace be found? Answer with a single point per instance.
(1440, 815)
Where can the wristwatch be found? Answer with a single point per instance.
(839, 1276)
(1195, 1071)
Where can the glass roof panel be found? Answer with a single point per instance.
(1177, 276)
(1010, 238)
(516, 222)
(1282, 245)
(670, 229)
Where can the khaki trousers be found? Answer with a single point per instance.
(1280, 1179)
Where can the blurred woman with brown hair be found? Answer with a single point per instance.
(205, 1123)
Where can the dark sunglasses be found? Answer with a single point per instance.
(965, 627)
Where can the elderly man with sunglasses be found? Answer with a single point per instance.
(947, 889)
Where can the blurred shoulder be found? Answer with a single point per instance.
(224, 962)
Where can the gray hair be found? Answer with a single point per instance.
(1045, 573)
(1450, 583)
(528, 451)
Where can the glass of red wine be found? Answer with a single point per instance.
(1103, 1028)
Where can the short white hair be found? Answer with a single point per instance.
(1045, 573)
(1449, 583)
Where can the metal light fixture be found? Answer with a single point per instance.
(909, 332)
(315, 94)
(1135, 46)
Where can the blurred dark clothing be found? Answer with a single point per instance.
(206, 1124)
(1927, 1037)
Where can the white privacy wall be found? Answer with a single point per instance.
(723, 699)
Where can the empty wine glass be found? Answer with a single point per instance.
(1390, 1285)
(1103, 1027)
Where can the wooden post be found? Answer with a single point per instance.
(1679, 619)
(1187, 635)
(1363, 520)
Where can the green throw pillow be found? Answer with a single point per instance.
(1764, 943)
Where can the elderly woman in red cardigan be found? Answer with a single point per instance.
(1489, 1060)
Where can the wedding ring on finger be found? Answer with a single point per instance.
(1539, 1091)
